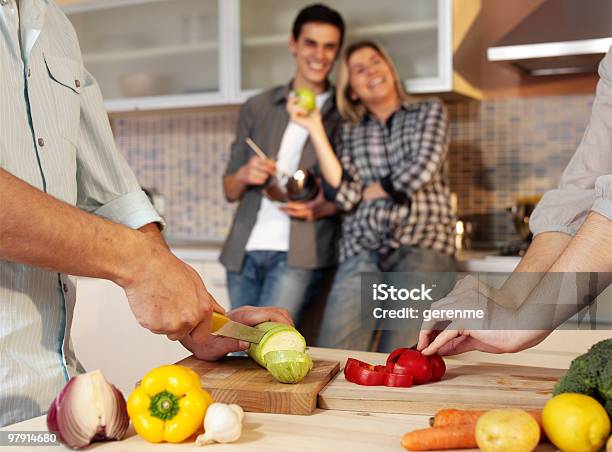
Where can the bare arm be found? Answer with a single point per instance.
(589, 250)
(545, 249)
(328, 161)
(39, 230)
(233, 187)
(540, 257)
(165, 295)
(553, 256)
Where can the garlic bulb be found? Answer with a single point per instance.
(222, 424)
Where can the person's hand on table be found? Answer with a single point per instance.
(453, 342)
(216, 347)
(311, 210)
(452, 337)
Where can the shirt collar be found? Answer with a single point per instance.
(32, 13)
(404, 106)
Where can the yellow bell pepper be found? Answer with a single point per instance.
(169, 405)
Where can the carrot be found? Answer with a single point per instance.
(445, 418)
(461, 436)
(448, 417)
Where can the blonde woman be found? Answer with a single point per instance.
(389, 180)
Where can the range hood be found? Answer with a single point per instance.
(559, 37)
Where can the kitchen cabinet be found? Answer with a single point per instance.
(265, 24)
(149, 54)
(155, 54)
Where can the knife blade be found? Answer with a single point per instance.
(223, 326)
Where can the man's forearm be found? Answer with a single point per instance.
(543, 252)
(541, 255)
(589, 250)
(233, 187)
(40, 230)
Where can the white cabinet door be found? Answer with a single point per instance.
(155, 54)
(417, 34)
(151, 53)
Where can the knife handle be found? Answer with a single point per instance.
(218, 320)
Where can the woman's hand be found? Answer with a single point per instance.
(311, 121)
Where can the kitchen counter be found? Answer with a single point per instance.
(324, 430)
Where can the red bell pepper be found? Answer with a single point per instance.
(366, 374)
(362, 373)
(404, 367)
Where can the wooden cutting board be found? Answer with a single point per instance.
(465, 386)
(238, 379)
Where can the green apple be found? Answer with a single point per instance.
(307, 98)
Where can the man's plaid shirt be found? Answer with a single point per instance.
(407, 156)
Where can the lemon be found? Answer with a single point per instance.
(575, 423)
(307, 98)
(507, 430)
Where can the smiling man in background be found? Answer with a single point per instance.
(57, 152)
(276, 256)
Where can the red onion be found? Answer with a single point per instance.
(88, 409)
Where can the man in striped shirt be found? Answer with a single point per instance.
(57, 152)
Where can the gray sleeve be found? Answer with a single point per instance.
(603, 196)
(585, 184)
(240, 152)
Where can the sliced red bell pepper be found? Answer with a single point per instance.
(397, 380)
(366, 374)
(362, 373)
(404, 366)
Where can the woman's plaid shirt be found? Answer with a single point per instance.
(407, 156)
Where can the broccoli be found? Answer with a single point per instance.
(591, 374)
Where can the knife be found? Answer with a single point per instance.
(223, 326)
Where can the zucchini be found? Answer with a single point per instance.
(288, 367)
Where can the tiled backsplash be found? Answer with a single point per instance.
(504, 149)
(500, 149)
(183, 156)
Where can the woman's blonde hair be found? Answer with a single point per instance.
(353, 109)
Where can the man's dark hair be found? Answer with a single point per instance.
(318, 13)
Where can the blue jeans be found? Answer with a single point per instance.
(267, 280)
(341, 327)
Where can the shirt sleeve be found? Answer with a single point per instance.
(431, 146)
(240, 152)
(348, 193)
(106, 185)
(585, 183)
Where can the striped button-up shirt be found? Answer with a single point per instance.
(407, 156)
(55, 135)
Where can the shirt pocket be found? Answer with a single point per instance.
(65, 81)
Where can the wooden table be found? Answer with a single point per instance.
(325, 430)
